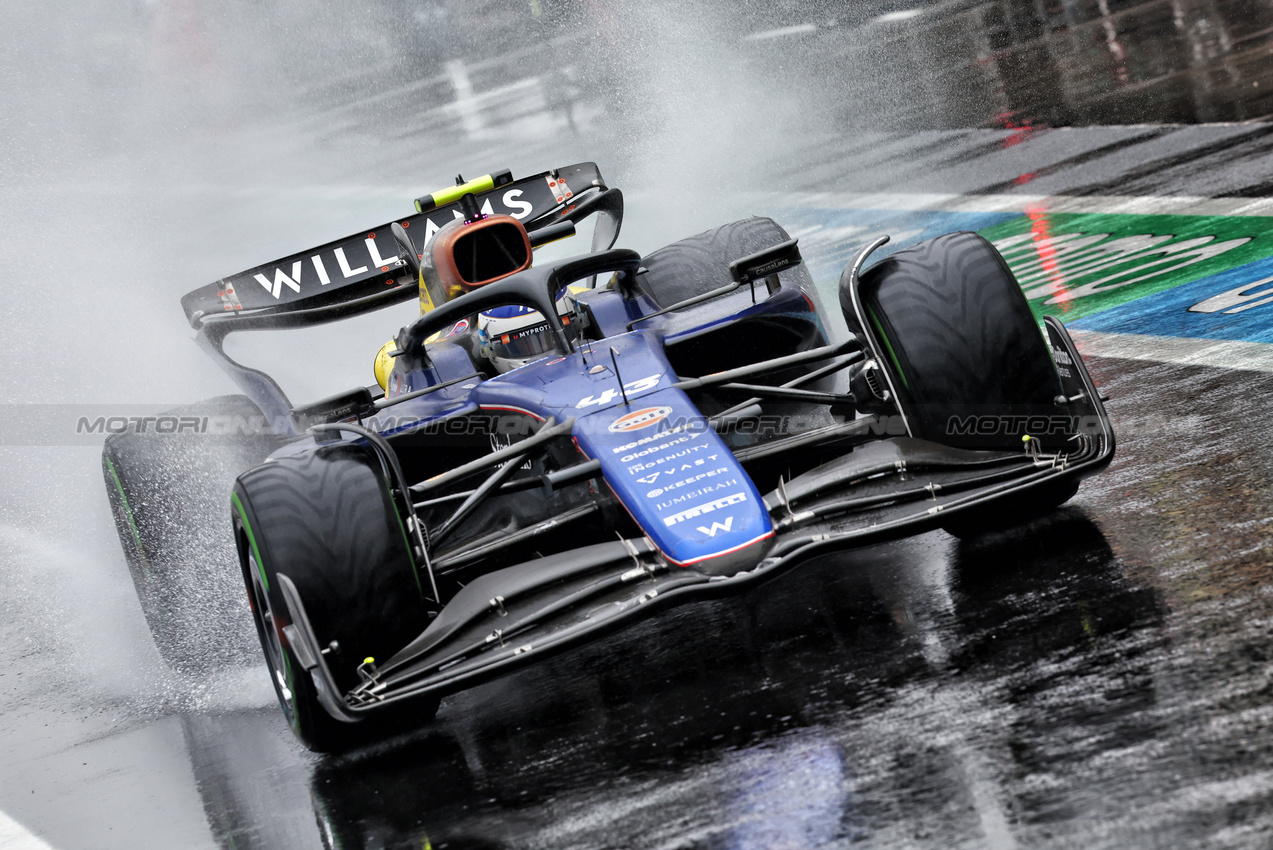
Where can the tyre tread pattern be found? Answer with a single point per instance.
(962, 333)
(325, 519)
(700, 263)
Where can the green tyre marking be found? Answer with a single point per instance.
(291, 686)
(406, 541)
(260, 564)
(892, 355)
(1072, 265)
(260, 568)
(128, 513)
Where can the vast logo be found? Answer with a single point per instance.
(638, 419)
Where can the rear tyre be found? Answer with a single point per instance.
(970, 365)
(166, 480)
(326, 520)
(700, 263)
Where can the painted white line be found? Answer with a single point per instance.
(782, 32)
(14, 836)
(1125, 204)
(1222, 354)
(903, 15)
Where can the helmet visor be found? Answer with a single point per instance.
(525, 343)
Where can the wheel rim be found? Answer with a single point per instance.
(270, 640)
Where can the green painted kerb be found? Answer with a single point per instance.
(1072, 265)
(128, 513)
(260, 564)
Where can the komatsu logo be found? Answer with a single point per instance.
(638, 419)
(725, 526)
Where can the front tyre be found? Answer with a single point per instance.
(326, 520)
(968, 360)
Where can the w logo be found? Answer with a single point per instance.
(717, 526)
(293, 282)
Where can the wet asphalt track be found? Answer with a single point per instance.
(1099, 679)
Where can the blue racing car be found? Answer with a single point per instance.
(554, 451)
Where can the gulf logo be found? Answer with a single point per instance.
(638, 419)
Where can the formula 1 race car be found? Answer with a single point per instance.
(652, 430)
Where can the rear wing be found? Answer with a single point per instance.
(367, 271)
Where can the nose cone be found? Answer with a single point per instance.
(680, 482)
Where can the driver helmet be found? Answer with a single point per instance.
(512, 336)
(465, 255)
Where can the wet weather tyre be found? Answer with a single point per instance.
(968, 359)
(700, 263)
(326, 520)
(960, 341)
(166, 480)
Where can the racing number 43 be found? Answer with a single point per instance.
(613, 393)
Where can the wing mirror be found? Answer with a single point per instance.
(766, 264)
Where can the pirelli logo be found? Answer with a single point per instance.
(693, 513)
